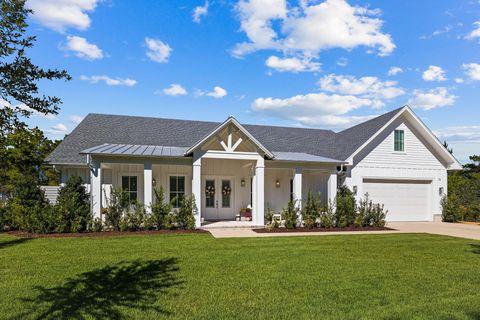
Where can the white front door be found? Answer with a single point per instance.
(218, 201)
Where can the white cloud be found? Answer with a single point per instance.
(342, 62)
(460, 133)
(23, 107)
(393, 71)
(58, 129)
(75, 119)
(475, 33)
(314, 108)
(199, 12)
(292, 64)
(472, 70)
(434, 73)
(366, 87)
(431, 99)
(174, 90)
(309, 28)
(217, 93)
(83, 49)
(157, 51)
(109, 81)
(464, 140)
(62, 14)
(459, 80)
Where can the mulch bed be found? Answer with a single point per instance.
(101, 234)
(284, 230)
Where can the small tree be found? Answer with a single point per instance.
(117, 205)
(290, 215)
(311, 209)
(450, 208)
(73, 206)
(185, 215)
(160, 209)
(345, 208)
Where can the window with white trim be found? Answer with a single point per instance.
(399, 141)
(129, 186)
(177, 190)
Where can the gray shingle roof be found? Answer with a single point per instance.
(98, 129)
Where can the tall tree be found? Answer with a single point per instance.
(19, 77)
(23, 154)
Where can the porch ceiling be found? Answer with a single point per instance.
(135, 150)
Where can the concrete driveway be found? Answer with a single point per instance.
(459, 230)
(441, 228)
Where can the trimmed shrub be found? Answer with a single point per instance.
(96, 225)
(311, 209)
(290, 215)
(269, 216)
(132, 220)
(73, 207)
(378, 215)
(170, 221)
(345, 208)
(185, 214)
(327, 217)
(117, 205)
(160, 209)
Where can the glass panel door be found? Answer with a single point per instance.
(210, 193)
(226, 193)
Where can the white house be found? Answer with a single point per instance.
(229, 166)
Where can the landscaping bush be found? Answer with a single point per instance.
(290, 215)
(96, 225)
(311, 209)
(378, 215)
(28, 208)
(327, 216)
(185, 215)
(117, 205)
(132, 220)
(370, 214)
(345, 208)
(450, 206)
(170, 221)
(73, 207)
(269, 216)
(160, 209)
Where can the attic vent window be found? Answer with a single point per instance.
(399, 141)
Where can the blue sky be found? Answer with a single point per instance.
(327, 64)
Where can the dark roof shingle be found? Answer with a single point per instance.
(98, 129)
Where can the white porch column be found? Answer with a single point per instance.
(197, 189)
(147, 187)
(297, 191)
(332, 187)
(259, 193)
(297, 187)
(96, 188)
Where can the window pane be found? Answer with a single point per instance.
(173, 197)
(173, 183)
(124, 182)
(399, 144)
(210, 193)
(226, 193)
(181, 184)
(133, 183)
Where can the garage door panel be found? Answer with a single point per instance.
(405, 200)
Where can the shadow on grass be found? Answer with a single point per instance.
(102, 293)
(475, 248)
(6, 244)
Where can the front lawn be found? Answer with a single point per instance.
(195, 276)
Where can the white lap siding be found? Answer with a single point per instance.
(417, 162)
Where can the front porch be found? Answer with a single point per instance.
(228, 173)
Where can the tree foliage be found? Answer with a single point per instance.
(73, 207)
(19, 76)
(22, 153)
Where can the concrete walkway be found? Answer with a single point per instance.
(447, 229)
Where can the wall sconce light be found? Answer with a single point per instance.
(440, 191)
(154, 182)
(277, 184)
(242, 182)
(355, 190)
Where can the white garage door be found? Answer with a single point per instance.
(405, 200)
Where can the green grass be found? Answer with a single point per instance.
(199, 277)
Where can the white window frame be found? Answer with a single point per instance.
(185, 187)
